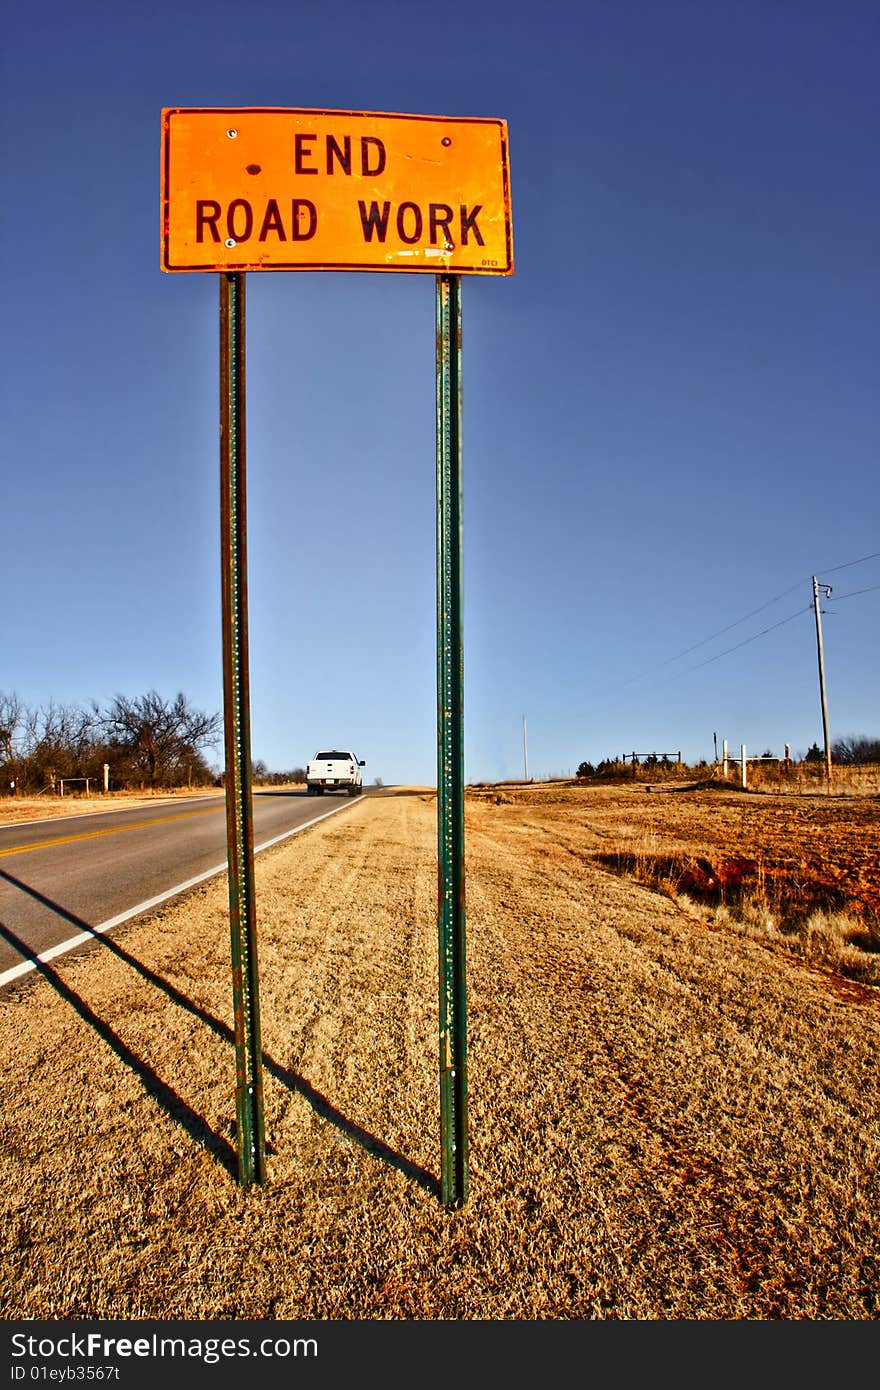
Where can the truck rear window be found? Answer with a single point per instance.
(327, 757)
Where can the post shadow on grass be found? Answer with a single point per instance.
(194, 1124)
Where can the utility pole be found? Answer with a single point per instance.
(525, 753)
(826, 590)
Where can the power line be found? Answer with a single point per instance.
(781, 623)
(773, 626)
(695, 647)
(719, 633)
(852, 593)
(849, 564)
(745, 642)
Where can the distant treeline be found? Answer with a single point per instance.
(853, 751)
(145, 741)
(264, 778)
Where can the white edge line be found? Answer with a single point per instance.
(16, 971)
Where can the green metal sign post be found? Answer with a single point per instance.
(450, 751)
(236, 703)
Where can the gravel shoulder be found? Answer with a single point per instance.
(667, 1121)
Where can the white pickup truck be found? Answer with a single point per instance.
(334, 771)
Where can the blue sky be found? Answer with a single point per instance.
(670, 408)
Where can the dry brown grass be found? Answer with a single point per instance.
(855, 780)
(15, 809)
(668, 1120)
(812, 916)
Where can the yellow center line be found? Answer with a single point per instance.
(111, 830)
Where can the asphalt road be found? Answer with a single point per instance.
(66, 878)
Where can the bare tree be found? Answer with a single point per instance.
(161, 741)
(856, 749)
(62, 745)
(12, 718)
(39, 745)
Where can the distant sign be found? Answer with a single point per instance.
(268, 188)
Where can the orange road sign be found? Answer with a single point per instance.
(271, 188)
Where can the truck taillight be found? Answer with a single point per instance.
(351, 768)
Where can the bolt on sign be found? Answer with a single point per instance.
(270, 188)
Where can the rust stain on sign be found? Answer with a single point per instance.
(270, 188)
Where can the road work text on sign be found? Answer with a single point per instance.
(270, 188)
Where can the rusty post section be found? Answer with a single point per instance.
(236, 712)
(450, 750)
